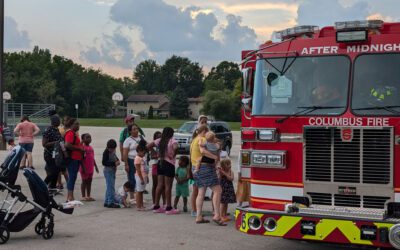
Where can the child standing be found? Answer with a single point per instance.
(141, 176)
(182, 182)
(228, 192)
(122, 195)
(154, 159)
(90, 165)
(110, 162)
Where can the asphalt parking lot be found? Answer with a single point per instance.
(94, 227)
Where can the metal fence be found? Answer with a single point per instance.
(37, 113)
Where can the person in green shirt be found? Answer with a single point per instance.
(182, 182)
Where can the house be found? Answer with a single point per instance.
(195, 106)
(140, 104)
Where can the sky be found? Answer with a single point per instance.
(116, 35)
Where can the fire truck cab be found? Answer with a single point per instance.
(321, 135)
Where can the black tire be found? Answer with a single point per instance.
(39, 228)
(4, 235)
(47, 233)
(228, 148)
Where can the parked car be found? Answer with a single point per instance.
(221, 129)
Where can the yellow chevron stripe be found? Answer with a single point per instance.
(326, 226)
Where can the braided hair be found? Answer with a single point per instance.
(166, 135)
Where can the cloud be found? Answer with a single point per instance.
(13, 37)
(165, 30)
(327, 12)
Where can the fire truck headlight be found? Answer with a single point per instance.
(270, 224)
(267, 134)
(394, 236)
(259, 158)
(275, 160)
(254, 223)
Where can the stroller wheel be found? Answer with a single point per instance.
(4, 235)
(47, 233)
(39, 228)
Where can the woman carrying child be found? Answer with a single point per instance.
(226, 178)
(167, 146)
(90, 164)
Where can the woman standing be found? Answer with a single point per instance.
(76, 152)
(129, 153)
(205, 177)
(50, 136)
(167, 147)
(26, 130)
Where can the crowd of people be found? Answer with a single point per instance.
(70, 154)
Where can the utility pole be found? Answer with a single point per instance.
(1, 59)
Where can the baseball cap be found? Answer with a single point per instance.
(128, 118)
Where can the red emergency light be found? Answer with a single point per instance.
(249, 135)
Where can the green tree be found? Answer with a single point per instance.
(221, 104)
(148, 76)
(179, 103)
(150, 114)
(211, 84)
(227, 72)
(180, 71)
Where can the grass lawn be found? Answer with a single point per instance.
(144, 123)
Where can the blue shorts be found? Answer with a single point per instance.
(27, 146)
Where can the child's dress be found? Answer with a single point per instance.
(228, 191)
(88, 163)
(182, 189)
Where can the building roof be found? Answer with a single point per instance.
(148, 98)
(196, 99)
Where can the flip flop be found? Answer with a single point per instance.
(202, 221)
(219, 223)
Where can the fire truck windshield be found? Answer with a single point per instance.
(376, 85)
(284, 86)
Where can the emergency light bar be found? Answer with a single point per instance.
(296, 31)
(359, 25)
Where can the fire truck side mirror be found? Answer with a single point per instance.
(247, 81)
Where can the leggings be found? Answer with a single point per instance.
(52, 173)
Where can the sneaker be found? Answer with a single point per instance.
(113, 205)
(106, 205)
(172, 211)
(193, 214)
(132, 201)
(159, 210)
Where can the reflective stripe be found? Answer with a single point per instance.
(246, 172)
(278, 183)
(275, 192)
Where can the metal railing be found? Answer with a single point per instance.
(37, 113)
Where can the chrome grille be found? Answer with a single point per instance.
(364, 160)
(182, 140)
(376, 202)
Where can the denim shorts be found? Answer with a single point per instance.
(27, 146)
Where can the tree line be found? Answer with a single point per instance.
(40, 77)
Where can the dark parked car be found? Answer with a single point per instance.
(221, 129)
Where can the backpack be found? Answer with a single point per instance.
(58, 154)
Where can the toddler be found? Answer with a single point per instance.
(121, 196)
(141, 176)
(90, 165)
(182, 182)
(110, 162)
(212, 146)
(11, 144)
(228, 192)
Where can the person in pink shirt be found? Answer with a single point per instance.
(167, 147)
(26, 130)
(89, 164)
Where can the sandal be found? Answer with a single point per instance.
(90, 199)
(202, 221)
(219, 223)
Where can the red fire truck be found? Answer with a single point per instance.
(321, 135)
